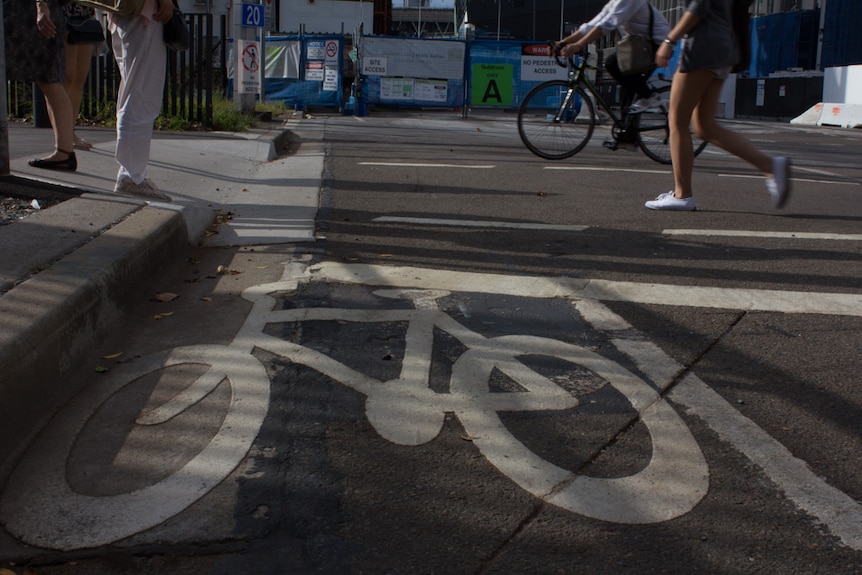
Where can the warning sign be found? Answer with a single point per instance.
(492, 85)
(538, 65)
(249, 67)
(314, 71)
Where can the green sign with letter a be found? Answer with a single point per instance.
(492, 85)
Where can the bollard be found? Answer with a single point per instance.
(40, 109)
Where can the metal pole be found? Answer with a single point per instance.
(562, 19)
(533, 36)
(819, 60)
(242, 102)
(4, 122)
(499, 14)
(263, 33)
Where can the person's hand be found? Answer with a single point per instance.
(571, 49)
(44, 23)
(663, 55)
(164, 11)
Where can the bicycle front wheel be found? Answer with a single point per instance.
(170, 465)
(653, 131)
(556, 120)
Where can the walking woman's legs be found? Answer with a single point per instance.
(707, 128)
(685, 95)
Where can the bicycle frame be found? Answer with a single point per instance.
(579, 79)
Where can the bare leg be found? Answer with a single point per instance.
(62, 120)
(709, 129)
(77, 68)
(686, 92)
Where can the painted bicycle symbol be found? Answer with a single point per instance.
(404, 410)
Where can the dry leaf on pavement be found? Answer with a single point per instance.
(166, 296)
(224, 270)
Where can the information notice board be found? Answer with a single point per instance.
(412, 71)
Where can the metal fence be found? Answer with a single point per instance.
(193, 80)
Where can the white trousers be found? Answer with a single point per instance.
(141, 57)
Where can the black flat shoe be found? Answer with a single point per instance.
(70, 163)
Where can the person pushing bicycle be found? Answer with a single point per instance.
(625, 17)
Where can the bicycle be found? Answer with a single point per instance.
(404, 410)
(556, 119)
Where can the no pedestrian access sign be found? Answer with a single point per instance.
(249, 70)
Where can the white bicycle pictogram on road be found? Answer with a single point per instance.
(404, 410)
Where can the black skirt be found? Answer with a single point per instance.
(29, 55)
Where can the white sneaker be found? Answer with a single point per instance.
(778, 185)
(146, 189)
(667, 201)
(644, 104)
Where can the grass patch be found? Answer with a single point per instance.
(225, 117)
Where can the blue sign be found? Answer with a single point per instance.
(252, 15)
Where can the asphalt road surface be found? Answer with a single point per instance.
(487, 363)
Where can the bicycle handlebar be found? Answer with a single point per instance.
(555, 52)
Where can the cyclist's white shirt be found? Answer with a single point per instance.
(629, 17)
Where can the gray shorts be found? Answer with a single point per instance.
(722, 73)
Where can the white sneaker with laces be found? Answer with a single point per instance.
(667, 201)
(778, 185)
(146, 189)
(644, 104)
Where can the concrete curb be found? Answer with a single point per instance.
(53, 318)
(45, 237)
(69, 274)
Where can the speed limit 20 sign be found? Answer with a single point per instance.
(253, 15)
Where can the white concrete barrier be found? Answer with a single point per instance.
(831, 114)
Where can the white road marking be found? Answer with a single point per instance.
(838, 512)
(477, 224)
(600, 169)
(406, 411)
(417, 165)
(819, 171)
(758, 177)
(56, 517)
(835, 509)
(603, 290)
(761, 234)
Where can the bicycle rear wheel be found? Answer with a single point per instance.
(555, 121)
(654, 132)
